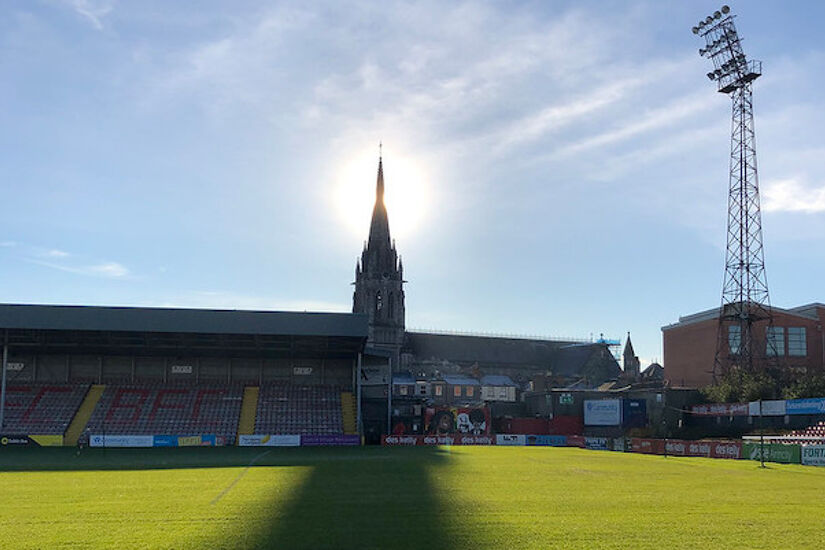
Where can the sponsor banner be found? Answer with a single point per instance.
(437, 440)
(97, 440)
(774, 452)
(511, 439)
(269, 440)
(634, 413)
(774, 407)
(400, 440)
(603, 412)
(458, 420)
(547, 440)
(330, 440)
(721, 409)
(618, 444)
(576, 441)
(813, 455)
(805, 406)
(596, 443)
(33, 440)
(726, 449)
(647, 446)
(184, 441)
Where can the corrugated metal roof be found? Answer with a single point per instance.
(204, 321)
(403, 378)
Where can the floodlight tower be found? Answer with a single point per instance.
(745, 299)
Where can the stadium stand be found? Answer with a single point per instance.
(168, 409)
(817, 431)
(305, 410)
(44, 409)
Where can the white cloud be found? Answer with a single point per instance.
(790, 195)
(54, 253)
(93, 10)
(108, 269)
(112, 270)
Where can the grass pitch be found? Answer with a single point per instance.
(436, 498)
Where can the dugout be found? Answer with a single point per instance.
(65, 344)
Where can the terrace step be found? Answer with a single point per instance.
(84, 413)
(348, 410)
(249, 406)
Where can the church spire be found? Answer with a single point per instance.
(380, 225)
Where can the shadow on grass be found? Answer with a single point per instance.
(70, 459)
(381, 498)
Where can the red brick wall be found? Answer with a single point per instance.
(689, 350)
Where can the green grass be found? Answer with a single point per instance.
(436, 498)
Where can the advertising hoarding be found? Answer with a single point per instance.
(437, 440)
(806, 406)
(332, 440)
(603, 412)
(720, 409)
(596, 443)
(774, 452)
(774, 407)
(813, 455)
(99, 440)
(547, 440)
(258, 440)
(511, 439)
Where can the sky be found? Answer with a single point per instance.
(553, 168)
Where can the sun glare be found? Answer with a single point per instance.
(406, 193)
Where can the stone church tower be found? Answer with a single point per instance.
(379, 280)
(632, 365)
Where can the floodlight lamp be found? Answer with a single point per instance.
(708, 20)
(702, 52)
(718, 72)
(711, 76)
(695, 30)
(726, 9)
(717, 14)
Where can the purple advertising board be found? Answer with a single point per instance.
(330, 440)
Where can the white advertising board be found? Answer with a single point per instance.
(774, 407)
(269, 440)
(511, 439)
(97, 440)
(813, 455)
(603, 412)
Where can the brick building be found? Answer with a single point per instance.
(690, 344)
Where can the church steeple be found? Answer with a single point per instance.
(379, 281)
(380, 225)
(631, 362)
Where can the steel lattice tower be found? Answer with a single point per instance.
(745, 299)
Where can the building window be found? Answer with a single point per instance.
(456, 391)
(403, 390)
(797, 342)
(469, 391)
(734, 339)
(439, 390)
(775, 341)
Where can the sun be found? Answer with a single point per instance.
(406, 192)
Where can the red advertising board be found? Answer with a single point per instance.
(457, 439)
(576, 441)
(647, 446)
(726, 449)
